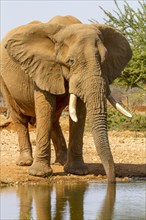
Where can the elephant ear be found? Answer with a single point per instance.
(31, 46)
(118, 51)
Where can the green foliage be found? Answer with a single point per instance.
(117, 121)
(135, 73)
(133, 25)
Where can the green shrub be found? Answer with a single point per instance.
(117, 121)
(131, 23)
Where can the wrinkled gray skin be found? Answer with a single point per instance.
(41, 64)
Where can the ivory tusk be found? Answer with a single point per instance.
(72, 107)
(118, 106)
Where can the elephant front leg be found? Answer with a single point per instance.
(75, 163)
(44, 108)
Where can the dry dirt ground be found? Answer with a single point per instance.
(128, 149)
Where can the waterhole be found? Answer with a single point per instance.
(75, 201)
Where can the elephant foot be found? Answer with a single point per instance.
(40, 169)
(78, 168)
(25, 159)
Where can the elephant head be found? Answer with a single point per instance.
(89, 57)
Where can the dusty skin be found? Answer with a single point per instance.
(128, 149)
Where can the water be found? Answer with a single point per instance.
(76, 201)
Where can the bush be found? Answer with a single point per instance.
(117, 121)
(132, 24)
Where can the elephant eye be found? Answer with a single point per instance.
(97, 42)
(70, 61)
(97, 56)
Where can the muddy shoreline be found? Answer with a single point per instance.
(128, 149)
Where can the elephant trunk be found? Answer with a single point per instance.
(100, 137)
(91, 88)
(97, 113)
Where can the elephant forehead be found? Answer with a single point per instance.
(77, 32)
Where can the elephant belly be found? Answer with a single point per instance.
(21, 90)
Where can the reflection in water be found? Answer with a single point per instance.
(76, 201)
(108, 204)
(60, 201)
(40, 196)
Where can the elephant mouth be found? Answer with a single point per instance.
(114, 103)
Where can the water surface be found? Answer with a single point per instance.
(76, 201)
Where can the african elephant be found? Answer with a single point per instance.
(45, 66)
(27, 114)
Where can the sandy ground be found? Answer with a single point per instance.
(128, 149)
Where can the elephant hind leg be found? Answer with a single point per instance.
(25, 157)
(56, 133)
(59, 144)
(21, 124)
